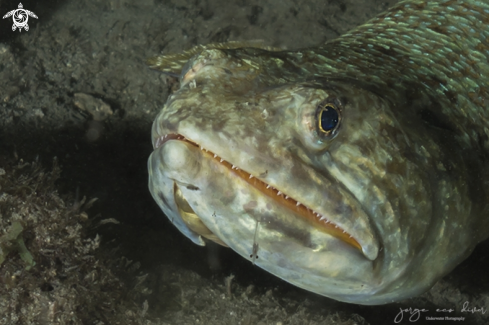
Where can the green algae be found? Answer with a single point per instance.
(13, 241)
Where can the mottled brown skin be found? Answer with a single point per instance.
(405, 174)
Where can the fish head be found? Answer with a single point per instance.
(320, 181)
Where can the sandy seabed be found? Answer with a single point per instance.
(75, 87)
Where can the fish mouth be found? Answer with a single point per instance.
(316, 219)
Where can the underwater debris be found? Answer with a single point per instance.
(99, 110)
(51, 271)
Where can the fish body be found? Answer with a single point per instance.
(357, 169)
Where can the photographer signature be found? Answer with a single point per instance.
(415, 313)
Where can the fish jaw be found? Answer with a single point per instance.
(242, 210)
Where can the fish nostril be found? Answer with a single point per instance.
(192, 72)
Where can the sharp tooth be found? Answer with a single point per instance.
(322, 218)
(251, 176)
(268, 186)
(215, 155)
(335, 226)
(221, 160)
(286, 197)
(279, 193)
(297, 204)
(201, 148)
(232, 167)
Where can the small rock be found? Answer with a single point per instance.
(99, 110)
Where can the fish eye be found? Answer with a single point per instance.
(328, 118)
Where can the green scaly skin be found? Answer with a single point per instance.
(405, 173)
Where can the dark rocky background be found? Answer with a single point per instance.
(101, 141)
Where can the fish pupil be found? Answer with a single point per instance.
(328, 118)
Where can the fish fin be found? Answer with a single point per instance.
(173, 63)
